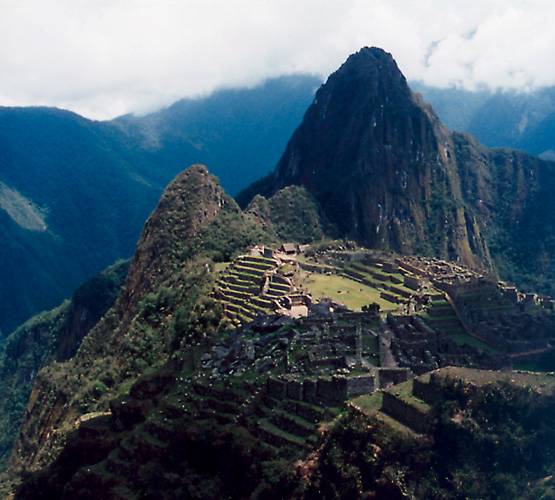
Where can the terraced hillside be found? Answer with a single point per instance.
(250, 286)
(443, 435)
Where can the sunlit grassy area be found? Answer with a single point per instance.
(354, 295)
(369, 403)
(220, 267)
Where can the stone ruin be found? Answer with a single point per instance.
(417, 346)
(337, 388)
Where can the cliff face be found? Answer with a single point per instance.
(510, 194)
(379, 163)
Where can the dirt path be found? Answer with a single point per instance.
(386, 359)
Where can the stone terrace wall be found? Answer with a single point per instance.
(426, 391)
(392, 376)
(404, 413)
(336, 388)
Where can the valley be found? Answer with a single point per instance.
(373, 319)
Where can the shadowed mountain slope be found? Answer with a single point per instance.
(378, 161)
(388, 174)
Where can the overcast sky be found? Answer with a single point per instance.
(104, 58)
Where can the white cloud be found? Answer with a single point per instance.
(102, 58)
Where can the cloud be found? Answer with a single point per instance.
(512, 48)
(102, 58)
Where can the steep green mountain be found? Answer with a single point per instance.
(510, 195)
(389, 175)
(74, 194)
(52, 336)
(380, 165)
(163, 305)
(164, 399)
(58, 228)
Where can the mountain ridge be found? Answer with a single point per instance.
(93, 184)
(411, 191)
(161, 385)
(379, 154)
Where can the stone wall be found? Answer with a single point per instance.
(336, 388)
(363, 384)
(426, 391)
(411, 281)
(404, 412)
(392, 376)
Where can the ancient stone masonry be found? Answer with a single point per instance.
(519, 325)
(254, 284)
(405, 413)
(421, 348)
(332, 389)
(388, 377)
(334, 354)
(493, 316)
(336, 388)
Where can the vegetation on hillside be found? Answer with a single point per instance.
(144, 408)
(46, 338)
(493, 442)
(95, 183)
(164, 304)
(290, 215)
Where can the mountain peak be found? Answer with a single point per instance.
(370, 60)
(370, 154)
(189, 203)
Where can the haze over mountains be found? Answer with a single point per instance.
(75, 193)
(162, 398)
(523, 121)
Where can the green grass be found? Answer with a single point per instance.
(464, 338)
(404, 392)
(220, 267)
(371, 342)
(278, 431)
(369, 403)
(354, 295)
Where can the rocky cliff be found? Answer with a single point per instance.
(380, 164)
(387, 173)
(48, 337)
